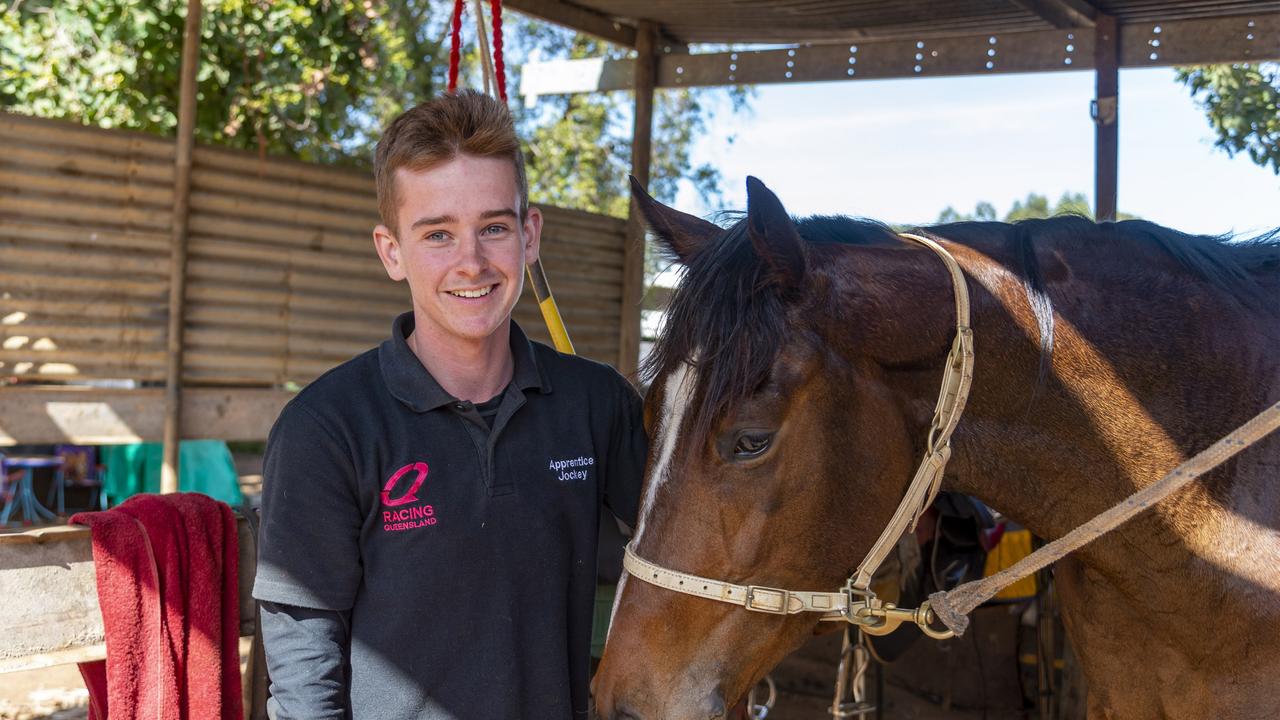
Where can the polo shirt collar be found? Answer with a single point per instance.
(414, 386)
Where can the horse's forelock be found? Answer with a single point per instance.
(728, 314)
(727, 322)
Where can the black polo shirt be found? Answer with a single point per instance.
(465, 555)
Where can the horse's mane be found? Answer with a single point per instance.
(730, 322)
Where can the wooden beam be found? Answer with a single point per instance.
(94, 416)
(646, 66)
(1106, 116)
(576, 17)
(186, 141)
(1061, 13)
(1181, 42)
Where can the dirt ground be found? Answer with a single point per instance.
(56, 693)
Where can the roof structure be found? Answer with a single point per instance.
(793, 41)
(814, 21)
(877, 39)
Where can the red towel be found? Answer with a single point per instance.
(168, 586)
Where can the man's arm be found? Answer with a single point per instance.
(308, 564)
(307, 654)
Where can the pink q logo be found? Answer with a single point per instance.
(412, 494)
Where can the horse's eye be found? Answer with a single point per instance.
(751, 445)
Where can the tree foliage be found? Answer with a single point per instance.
(318, 79)
(304, 79)
(1242, 103)
(1033, 206)
(579, 146)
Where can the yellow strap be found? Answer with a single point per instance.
(547, 304)
(555, 325)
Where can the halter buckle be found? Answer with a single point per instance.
(774, 601)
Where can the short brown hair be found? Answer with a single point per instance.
(437, 131)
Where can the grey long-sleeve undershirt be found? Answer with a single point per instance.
(307, 656)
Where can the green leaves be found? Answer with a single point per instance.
(1033, 206)
(1242, 104)
(319, 79)
(578, 148)
(304, 78)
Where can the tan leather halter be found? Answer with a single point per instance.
(855, 602)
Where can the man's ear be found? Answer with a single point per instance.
(389, 252)
(532, 235)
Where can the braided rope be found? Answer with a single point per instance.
(499, 69)
(455, 46)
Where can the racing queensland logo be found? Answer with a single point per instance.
(401, 507)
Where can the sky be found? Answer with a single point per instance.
(902, 150)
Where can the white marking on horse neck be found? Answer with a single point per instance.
(676, 395)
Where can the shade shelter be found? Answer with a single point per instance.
(851, 40)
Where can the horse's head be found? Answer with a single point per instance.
(778, 451)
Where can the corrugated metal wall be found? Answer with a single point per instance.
(283, 282)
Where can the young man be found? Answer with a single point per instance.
(430, 508)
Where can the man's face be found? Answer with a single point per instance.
(460, 245)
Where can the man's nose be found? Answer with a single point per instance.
(472, 255)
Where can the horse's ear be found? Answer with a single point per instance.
(774, 236)
(684, 234)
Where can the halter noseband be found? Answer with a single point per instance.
(855, 602)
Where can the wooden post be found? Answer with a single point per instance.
(1106, 116)
(178, 251)
(641, 144)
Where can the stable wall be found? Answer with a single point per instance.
(282, 281)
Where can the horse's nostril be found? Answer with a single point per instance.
(715, 709)
(625, 714)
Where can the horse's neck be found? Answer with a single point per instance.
(1139, 381)
(1145, 371)
(1134, 389)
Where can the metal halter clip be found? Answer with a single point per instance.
(881, 618)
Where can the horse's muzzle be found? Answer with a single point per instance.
(712, 707)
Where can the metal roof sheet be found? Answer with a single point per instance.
(799, 21)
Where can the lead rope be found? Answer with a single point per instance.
(952, 608)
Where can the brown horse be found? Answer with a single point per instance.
(791, 392)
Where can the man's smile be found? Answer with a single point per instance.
(472, 293)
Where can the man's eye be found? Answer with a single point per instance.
(436, 237)
(495, 229)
